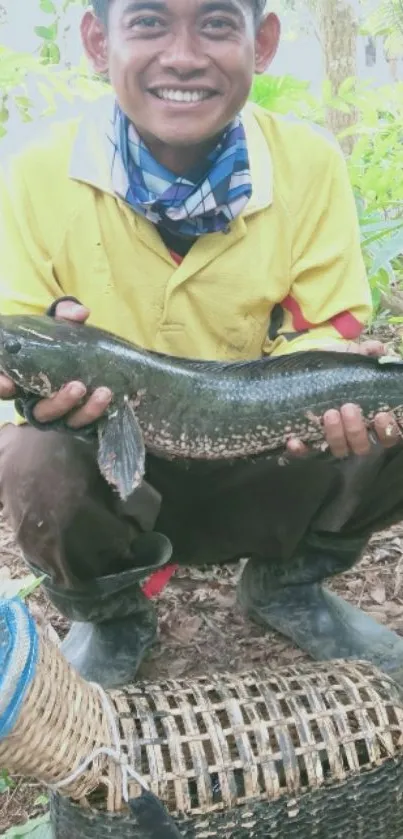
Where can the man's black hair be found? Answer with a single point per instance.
(101, 8)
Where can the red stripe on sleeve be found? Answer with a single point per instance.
(298, 321)
(347, 325)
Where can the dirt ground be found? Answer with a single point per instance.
(201, 628)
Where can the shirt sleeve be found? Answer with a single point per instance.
(329, 299)
(27, 281)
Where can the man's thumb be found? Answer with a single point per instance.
(67, 310)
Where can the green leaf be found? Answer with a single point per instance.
(23, 101)
(41, 801)
(50, 53)
(376, 298)
(48, 33)
(27, 590)
(39, 828)
(347, 86)
(19, 587)
(5, 781)
(48, 7)
(376, 237)
(391, 249)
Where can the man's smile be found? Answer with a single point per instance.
(185, 96)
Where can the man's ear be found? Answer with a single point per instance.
(267, 41)
(95, 40)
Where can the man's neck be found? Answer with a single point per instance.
(179, 159)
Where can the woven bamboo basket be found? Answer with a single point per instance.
(315, 749)
(61, 721)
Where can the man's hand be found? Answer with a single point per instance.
(72, 395)
(345, 430)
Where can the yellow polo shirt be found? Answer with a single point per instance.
(289, 275)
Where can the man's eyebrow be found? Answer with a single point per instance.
(139, 5)
(220, 6)
(161, 6)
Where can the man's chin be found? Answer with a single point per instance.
(183, 135)
(187, 141)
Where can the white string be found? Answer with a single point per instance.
(114, 754)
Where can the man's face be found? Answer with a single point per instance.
(181, 69)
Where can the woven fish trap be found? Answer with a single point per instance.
(307, 752)
(62, 720)
(217, 742)
(316, 748)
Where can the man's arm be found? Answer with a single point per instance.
(329, 299)
(329, 302)
(27, 281)
(28, 285)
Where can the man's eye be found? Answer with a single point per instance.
(218, 23)
(149, 22)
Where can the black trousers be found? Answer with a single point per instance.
(72, 525)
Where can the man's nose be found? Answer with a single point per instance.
(184, 54)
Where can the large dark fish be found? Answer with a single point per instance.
(193, 409)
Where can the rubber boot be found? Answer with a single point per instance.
(114, 624)
(288, 596)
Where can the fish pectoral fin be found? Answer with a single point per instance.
(121, 449)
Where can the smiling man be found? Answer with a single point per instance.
(192, 223)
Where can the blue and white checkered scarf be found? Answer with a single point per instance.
(205, 201)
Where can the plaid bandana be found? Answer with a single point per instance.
(205, 201)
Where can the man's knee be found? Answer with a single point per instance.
(66, 518)
(42, 473)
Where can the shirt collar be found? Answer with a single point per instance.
(91, 154)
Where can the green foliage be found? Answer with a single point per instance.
(375, 165)
(382, 246)
(387, 21)
(28, 83)
(5, 782)
(376, 173)
(282, 94)
(39, 828)
(50, 50)
(32, 84)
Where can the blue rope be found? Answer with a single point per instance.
(18, 660)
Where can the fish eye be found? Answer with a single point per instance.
(12, 346)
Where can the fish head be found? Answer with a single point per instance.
(33, 357)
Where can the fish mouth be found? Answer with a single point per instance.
(13, 375)
(38, 385)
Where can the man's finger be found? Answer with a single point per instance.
(375, 348)
(67, 310)
(355, 429)
(334, 433)
(93, 409)
(372, 347)
(61, 403)
(296, 447)
(7, 387)
(387, 429)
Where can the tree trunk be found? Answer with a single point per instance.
(338, 27)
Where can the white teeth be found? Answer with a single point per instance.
(182, 95)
